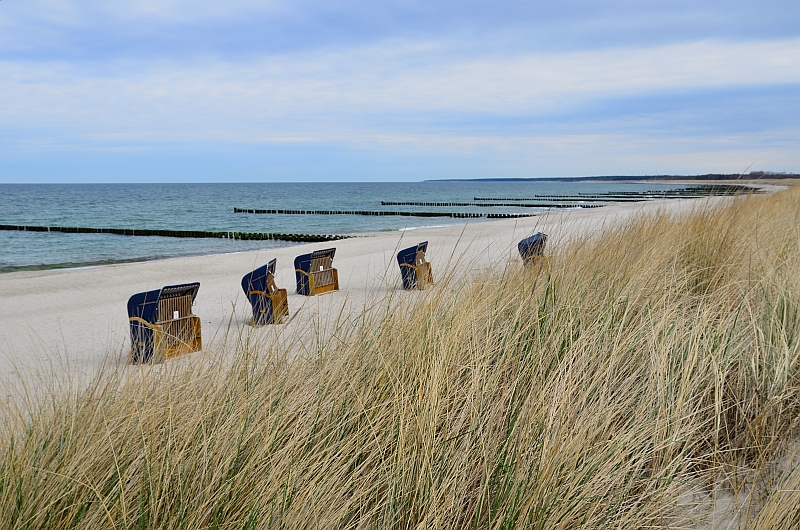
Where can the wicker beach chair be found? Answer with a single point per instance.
(532, 248)
(270, 304)
(315, 273)
(414, 270)
(162, 324)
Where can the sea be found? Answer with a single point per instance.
(210, 207)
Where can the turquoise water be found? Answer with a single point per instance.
(210, 207)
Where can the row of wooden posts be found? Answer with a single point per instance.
(249, 236)
(497, 204)
(380, 213)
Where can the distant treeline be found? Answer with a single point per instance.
(753, 175)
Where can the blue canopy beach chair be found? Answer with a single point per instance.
(162, 324)
(532, 248)
(315, 273)
(270, 304)
(414, 270)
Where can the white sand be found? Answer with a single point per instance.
(78, 317)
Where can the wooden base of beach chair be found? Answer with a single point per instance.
(422, 273)
(321, 282)
(177, 337)
(280, 308)
(536, 262)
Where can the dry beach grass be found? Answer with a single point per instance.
(648, 378)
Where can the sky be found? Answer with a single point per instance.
(376, 90)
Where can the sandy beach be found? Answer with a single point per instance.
(76, 319)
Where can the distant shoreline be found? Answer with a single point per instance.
(755, 175)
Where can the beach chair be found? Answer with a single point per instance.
(269, 303)
(532, 248)
(162, 324)
(315, 273)
(414, 270)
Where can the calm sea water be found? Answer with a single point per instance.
(210, 207)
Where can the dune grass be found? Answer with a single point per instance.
(644, 379)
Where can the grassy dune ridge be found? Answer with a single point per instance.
(645, 378)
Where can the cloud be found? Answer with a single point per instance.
(499, 85)
(91, 30)
(405, 85)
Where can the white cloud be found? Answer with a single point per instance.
(408, 101)
(318, 93)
